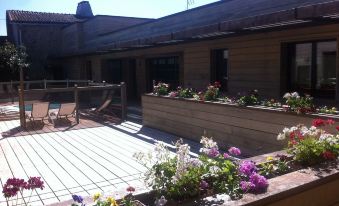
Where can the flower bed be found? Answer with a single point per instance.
(252, 128)
(218, 178)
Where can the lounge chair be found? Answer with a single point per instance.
(39, 111)
(65, 110)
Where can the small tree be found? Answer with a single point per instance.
(12, 59)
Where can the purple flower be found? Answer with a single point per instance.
(226, 155)
(13, 186)
(234, 151)
(259, 181)
(35, 183)
(213, 152)
(204, 185)
(246, 186)
(77, 198)
(247, 168)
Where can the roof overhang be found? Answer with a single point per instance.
(311, 15)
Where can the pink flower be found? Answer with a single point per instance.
(213, 152)
(234, 151)
(330, 122)
(226, 155)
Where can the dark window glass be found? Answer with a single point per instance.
(164, 69)
(313, 68)
(326, 68)
(302, 66)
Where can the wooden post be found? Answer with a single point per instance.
(45, 84)
(76, 100)
(21, 100)
(11, 91)
(123, 101)
(67, 83)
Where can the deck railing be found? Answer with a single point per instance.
(9, 90)
(76, 90)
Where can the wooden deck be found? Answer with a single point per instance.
(76, 159)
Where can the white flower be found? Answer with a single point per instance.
(287, 95)
(161, 202)
(208, 143)
(295, 95)
(183, 160)
(281, 136)
(214, 169)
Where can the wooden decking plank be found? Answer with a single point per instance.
(115, 151)
(90, 162)
(31, 170)
(61, 158)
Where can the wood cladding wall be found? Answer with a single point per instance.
(253, 130)
(254, 60)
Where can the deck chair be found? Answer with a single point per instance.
(65, 110)
(39, 111)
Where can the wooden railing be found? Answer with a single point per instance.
(11, 89)
(76, 90)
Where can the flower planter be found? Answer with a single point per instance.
(253, 128)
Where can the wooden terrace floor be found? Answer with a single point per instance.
(76, 159)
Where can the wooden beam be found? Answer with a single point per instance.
(317, 10)
(159, 38)
(240, 24)
(188, 33)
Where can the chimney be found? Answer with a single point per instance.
(84, 10)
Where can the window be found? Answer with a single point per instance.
(313, 68)
(219, 67)
(164, 69)
(88, 70)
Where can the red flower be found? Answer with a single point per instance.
(337, 127)
(318, 123)
(328, 155)
(217, 84)
(330, 122)
(130, 189)
(292, 135)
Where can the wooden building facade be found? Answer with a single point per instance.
(270, 45)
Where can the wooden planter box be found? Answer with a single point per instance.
(252, 129)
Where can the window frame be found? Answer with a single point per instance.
(288, 51)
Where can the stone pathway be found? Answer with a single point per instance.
(88, 158)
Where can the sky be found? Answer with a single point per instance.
(134, 8)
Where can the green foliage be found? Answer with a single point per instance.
(185, 92)
(298, 104)
(252, 98)
(212, 92)
(13, 57)
(271, 103)
(274, 166)
(308, 151)
(180, 177)
(161, 89)
(312, 145)
(327, 110)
